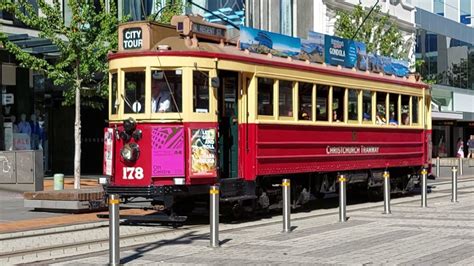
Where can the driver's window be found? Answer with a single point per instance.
(134, 92)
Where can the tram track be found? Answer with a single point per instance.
(101, 244)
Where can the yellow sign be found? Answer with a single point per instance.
(424, 172)
(342, 179)
(214, 191)
(113, 201)
(386, 175)
(286, 184)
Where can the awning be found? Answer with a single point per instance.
(33, 45)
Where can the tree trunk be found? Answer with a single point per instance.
(77, 137)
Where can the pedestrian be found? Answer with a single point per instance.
(470, 144)
(460, 148)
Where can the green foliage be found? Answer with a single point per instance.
(166, 12)
(83, 45)
(378, 32)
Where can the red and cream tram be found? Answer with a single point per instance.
(189, 109)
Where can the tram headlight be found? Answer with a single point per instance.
(129, 125)
(130, 152)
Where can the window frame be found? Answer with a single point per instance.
(285, 117)
(147, 103)
(112, 101)
(274, 106)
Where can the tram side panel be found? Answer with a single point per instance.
(287, 149)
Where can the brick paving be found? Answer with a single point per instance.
(441, 234)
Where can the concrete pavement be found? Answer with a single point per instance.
(441, 234)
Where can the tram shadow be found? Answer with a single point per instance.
(145, 250)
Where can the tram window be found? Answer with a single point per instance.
(135, 92)
(265, 96)
(393, 109)
(381, 100)
(367, 106)
(305, 92)
(353, 104)
(415, 109)
(285, 98)
(113, 100)
(166, 91)
(201, 92)
(337, 104)
(405, 110)
(322, 98)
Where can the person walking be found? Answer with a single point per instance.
(470, 144)
(460, 148)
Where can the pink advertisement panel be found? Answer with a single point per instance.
(167, 151)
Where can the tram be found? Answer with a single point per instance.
(188, 108)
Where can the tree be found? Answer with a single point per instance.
(167, 11)
(83, 46)
(378, 32)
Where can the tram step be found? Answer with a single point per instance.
(156, 218)
(238, 198)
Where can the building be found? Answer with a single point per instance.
(27, 93)
(445, 43)
(439, 32)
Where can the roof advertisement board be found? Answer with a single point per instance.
(319, 48)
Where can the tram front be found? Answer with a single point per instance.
(161, 140)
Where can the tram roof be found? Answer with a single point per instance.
(186, 47)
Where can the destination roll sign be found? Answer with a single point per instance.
(132, 38)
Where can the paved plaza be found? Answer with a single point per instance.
(441, 234)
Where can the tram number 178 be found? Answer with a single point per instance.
(132, 173)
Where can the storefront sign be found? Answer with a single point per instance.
(108, 150)
(208, 30)
(352, 149)
(21, 141)
(132, 38)
(167, 151)
(203, 152)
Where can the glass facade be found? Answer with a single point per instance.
(446, 61)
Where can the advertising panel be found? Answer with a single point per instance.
(167, 151)
(264, 42)
(21, 141)
(335, 50)
(312, 49)
(108, 151)
(203, 152)
(356, 55)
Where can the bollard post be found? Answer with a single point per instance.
(438, 161)
(214, 216)
(114, 233)
(460, 166)
(342, 199)
(386, 192)
(454, 186)
(285, 184)
(424, 188)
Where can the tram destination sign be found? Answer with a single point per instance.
(132, 38)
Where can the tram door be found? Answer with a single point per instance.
(228, 123)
